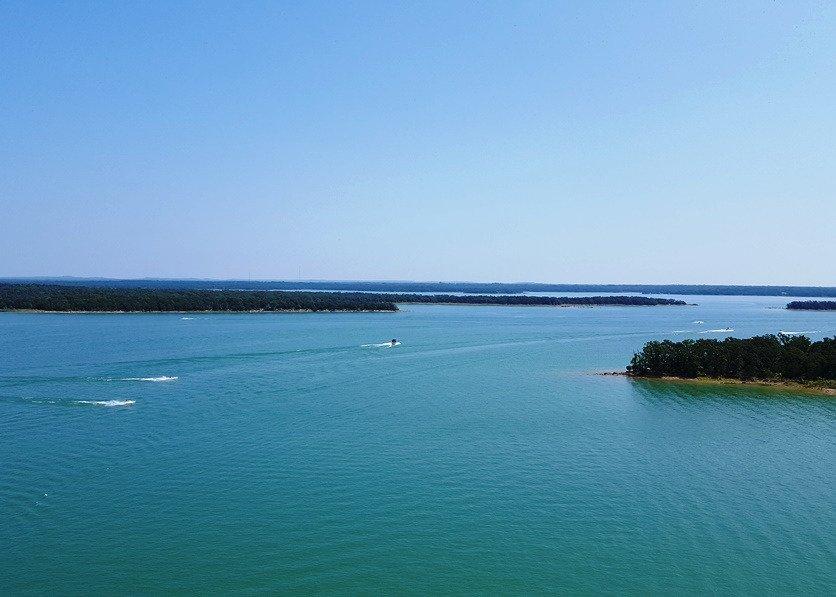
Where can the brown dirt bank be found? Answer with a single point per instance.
(822, 388)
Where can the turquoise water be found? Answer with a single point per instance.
(481, 455)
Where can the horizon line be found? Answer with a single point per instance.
(403, 280)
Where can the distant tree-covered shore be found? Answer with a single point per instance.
(524, 299)
(812, 305)
(42, 297)
(406, 286)
(56, 297)
(766, 358)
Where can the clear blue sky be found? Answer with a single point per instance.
(562, 142)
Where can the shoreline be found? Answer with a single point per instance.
(254, 311)
(560, 305)
(795, 386)
(72, 298)
(205, 312)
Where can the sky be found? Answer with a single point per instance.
(587, 142)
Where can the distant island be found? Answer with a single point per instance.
(55, 297)
(769, 359)
(524, 299)
(405, 286)
(812, 305)
(73, 298)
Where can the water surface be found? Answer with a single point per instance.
(275, 452)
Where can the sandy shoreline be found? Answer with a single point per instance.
(820, 390)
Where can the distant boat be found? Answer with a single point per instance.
(388, 344)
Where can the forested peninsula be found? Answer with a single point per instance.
(72, 298)
(812, 305)
(770, 359)
(523, 299)
(54, 297)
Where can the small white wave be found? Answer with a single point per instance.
(107, 402)
(160, 378)
(698, 321)
(187, 318)
(718, 331)
(680, 331)
(381, 345)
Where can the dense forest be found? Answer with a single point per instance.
(768, 357)
(55, 297)
(440, 287)
(524, 299)
(43, 297)
(812, 305)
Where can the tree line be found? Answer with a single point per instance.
(524, 299)
(438, 287)
(812, 305)
(767, 357)
(42, 297)
(58, 297)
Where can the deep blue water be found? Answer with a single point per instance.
(480, 455)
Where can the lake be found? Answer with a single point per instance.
(248, 453)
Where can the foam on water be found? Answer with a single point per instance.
(159, 378)
(718, 331)
(784, 333)
(381, 345)
(106, 402)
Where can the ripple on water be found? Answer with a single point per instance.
(474, 458)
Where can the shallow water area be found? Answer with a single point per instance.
(297, 453)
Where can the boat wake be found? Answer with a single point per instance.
(106, 402)
(381, 345)
(718, 331)
(160, 378)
